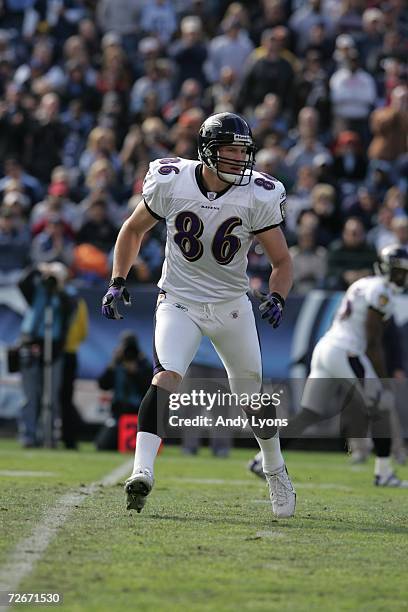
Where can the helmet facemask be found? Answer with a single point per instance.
(229, 130)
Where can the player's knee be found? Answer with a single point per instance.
(167, 380)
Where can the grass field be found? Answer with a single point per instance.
(207, 539)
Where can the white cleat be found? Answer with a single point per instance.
(282, 493)
(137, 488)
(390, 481)
(255, 466)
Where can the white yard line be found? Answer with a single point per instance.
(30, 549)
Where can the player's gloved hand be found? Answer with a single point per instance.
(116, 293)
(272, 308)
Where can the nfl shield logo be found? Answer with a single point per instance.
(211, 195)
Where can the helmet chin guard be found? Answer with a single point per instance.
(227, 129)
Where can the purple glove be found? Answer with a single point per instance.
(116, 293)
(272, 308)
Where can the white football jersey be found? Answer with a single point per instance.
(208, 234)
(348, 330)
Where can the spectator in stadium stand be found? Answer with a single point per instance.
(350, 163)
(311, 86)
(53, 243)
(154, 80)
(189, 53)
(381, 235)
(323, 169)
(271, 162)
(399, 226)
(350, 15)
(89, 36)
(325, 206)
(268, 120)
(269, 74)
(113, 115)
(299, 196)
(12, 13)
(14, 195)
(394, 45)
(14, 171)
(96, 228)
(307, 145)
(158, 18)
(207, 11)
(396, 15)
(133, 154)
(46, 138)
(56, 203)
(380, 177)
(14, 246)
(103, 177)
(395, 199)
(281, 34)
(353, 93)
(190, 96)
(394, 75)
(309, 262)
(78, 123)
(123, 18)
(389, 127)
(321, 43)
(221, 95)
(350, 257)
(183, 134)
(156, 138)
(302, 20)
(273, 13)
(230, 49)
(115, 73)
(371, 39)
(14, 122)
(41, 73)
(98, 189)
(76, 50)
(363, 205)
(76, 87)
(101, 144)
(17, 202)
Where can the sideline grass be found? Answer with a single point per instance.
(204, 546)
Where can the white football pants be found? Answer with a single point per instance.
(180, 326)
(330, 363)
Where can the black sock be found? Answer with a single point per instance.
(153, 411)
(382, 447)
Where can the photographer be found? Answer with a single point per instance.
(43, 335)
(128, 376)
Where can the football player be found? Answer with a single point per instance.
(212, 208)
(352, 352)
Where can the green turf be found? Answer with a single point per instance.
(215, 546)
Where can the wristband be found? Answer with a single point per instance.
(118, 281)
(277, 296)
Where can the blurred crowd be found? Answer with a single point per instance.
(92, 91)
